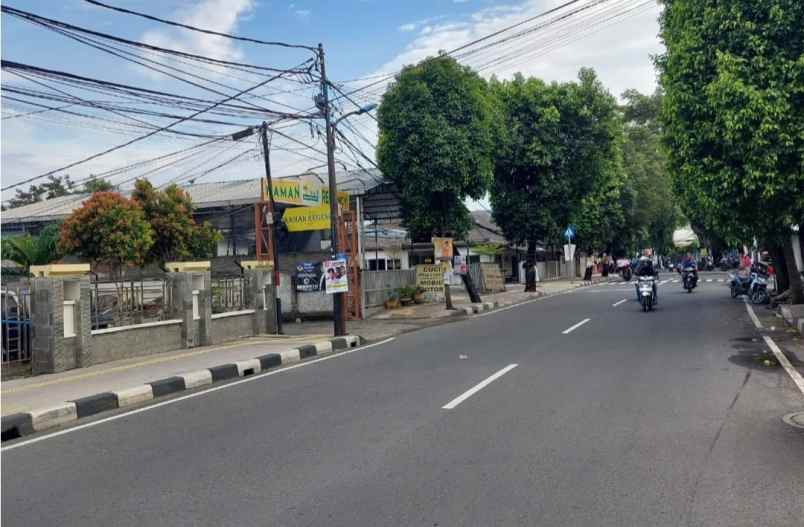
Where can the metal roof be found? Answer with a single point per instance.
(204, 195)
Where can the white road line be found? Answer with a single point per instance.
(795, 375)
(615, 304)
(751, 314)
(721, 280)
(675, 281)
(190, 396)
(476, 388)
(708, 279)
(576, 326)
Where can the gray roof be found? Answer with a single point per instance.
(484, 230)
(204, 196)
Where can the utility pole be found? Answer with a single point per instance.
(266, 151)
(337, 298)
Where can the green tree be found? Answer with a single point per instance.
(733, 77)
(95, 184)
(110, 230)
(435, 144)
(30, 250)
(654, 214)
(176, 234)
(54, 187)
(558, 161)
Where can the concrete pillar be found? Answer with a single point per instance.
(191, 301)
(261, 297)
(60, 324)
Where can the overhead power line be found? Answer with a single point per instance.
(142, 137)
(52, 23)
(200, 30)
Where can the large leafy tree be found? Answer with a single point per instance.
(654, 213)
(558, 161)
(30, 250)
(435, 144)
(733, 77)
(176, 234)
(110, 230)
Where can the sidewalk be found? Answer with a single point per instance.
(44, 391)
(381, 324)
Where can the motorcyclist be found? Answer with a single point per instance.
(645, 267)
(688, 262)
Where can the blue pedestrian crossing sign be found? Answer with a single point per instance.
(570, 232)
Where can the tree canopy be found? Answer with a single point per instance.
(176, 234)
(733, 113)
(558, 161)
(108, 229)
(435, 144)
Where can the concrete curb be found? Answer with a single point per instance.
(26, 423)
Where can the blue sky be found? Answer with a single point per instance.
(361, 38)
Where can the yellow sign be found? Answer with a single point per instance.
(303, 193)
(442, 248)
(307, 218)
(430, 278)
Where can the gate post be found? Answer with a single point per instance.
(60, 318)
(261, 295)
(191, 300)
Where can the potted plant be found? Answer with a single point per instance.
(405, 295)
(392, 302)
(418, 295)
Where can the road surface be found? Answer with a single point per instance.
(575, 410)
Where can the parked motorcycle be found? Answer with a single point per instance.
(754, 286)
(689, 279)
(645, 291)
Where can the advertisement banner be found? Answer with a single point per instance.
(442, 248)
(300, 219)
(308, 277)
(430, 278)
(459, 264)
(335, 276)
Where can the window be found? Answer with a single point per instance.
(376, 265)
(394, 264)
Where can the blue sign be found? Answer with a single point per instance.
(570, 232)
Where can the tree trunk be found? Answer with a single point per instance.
(530, 273)
(782, 279)
(474, 296)
(796, 292)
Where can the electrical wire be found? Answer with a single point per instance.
(201, 30)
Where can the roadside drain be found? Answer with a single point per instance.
(795, 419)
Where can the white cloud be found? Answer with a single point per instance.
(303, 13)
(218, 15)
(407, 27)
(619, 49)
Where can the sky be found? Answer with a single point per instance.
(361, 38)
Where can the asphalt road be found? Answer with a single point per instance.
(631, 419)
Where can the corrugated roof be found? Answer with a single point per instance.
(204, 195)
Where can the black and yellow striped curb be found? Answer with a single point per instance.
(26, 423)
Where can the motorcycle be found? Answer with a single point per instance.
(754, 286)
(624, 268)
(689, 279)
(645, 291)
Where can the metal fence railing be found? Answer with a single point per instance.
(228, 294)
(16, 323)
(114, 304)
